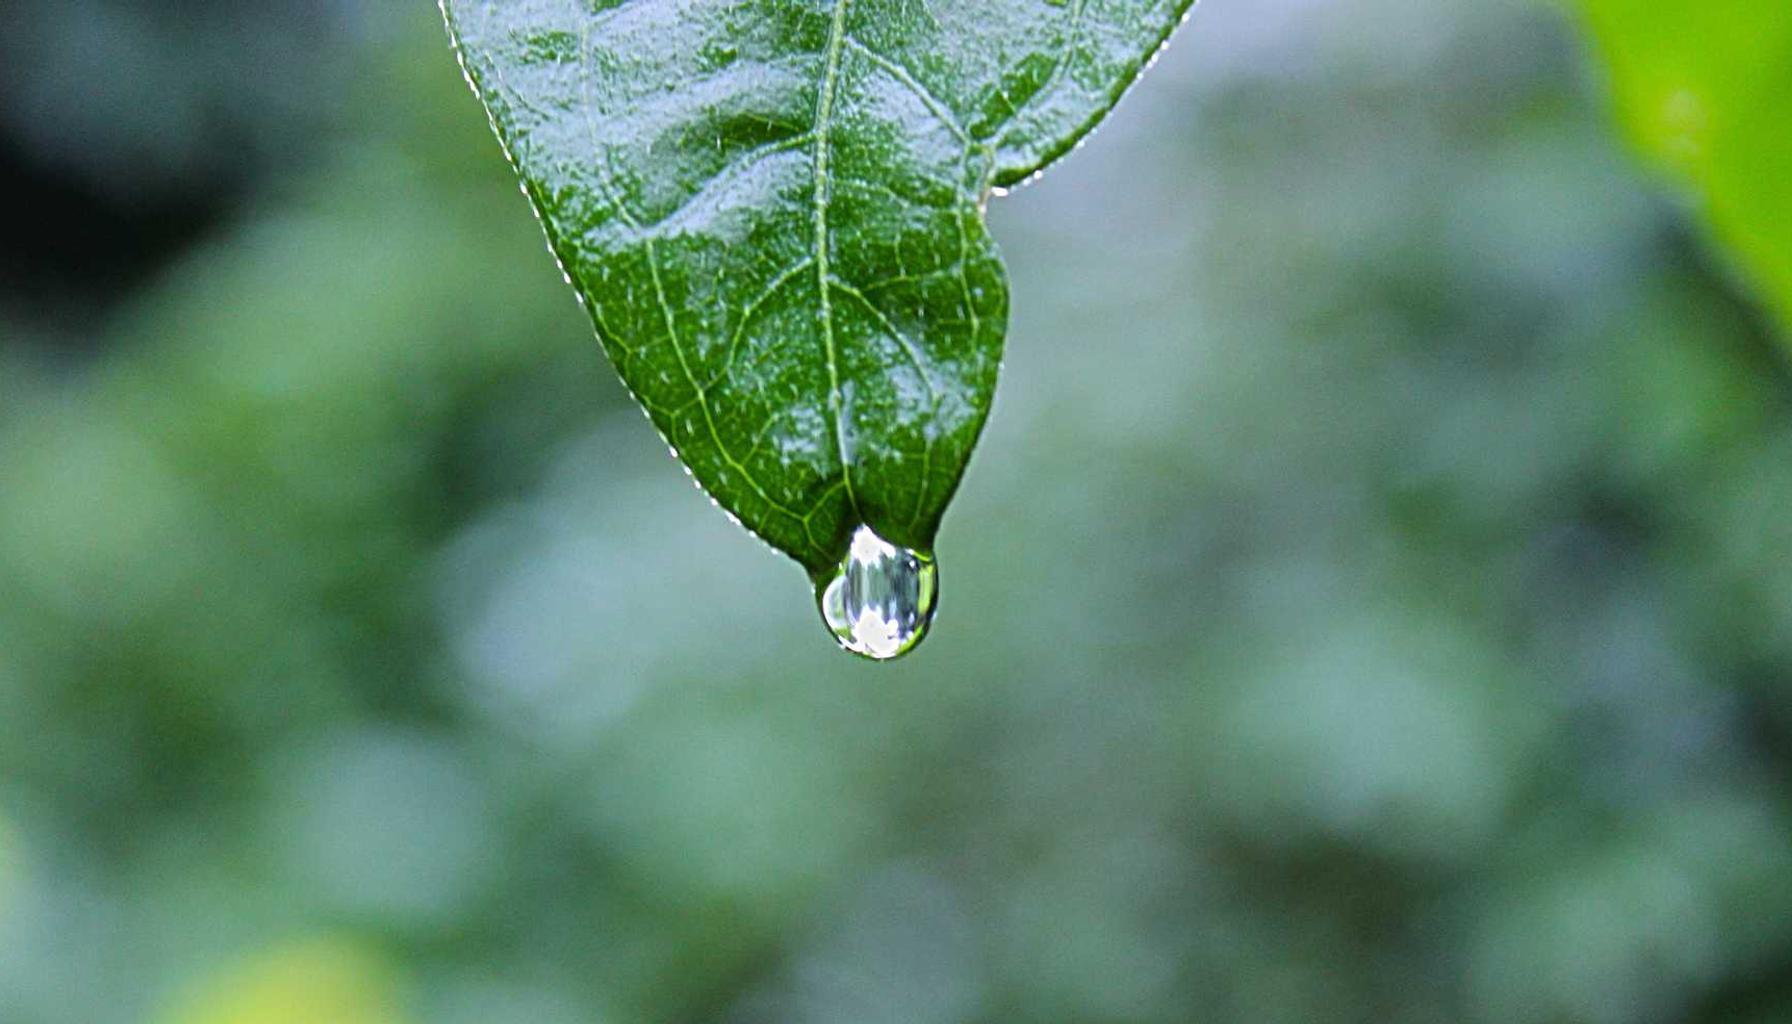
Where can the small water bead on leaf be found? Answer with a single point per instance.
(880, 601)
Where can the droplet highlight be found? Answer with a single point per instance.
(881, 600)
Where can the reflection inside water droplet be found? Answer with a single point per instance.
(880, 601)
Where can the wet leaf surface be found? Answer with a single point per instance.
(772, 212)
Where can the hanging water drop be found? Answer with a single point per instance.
(880, 601)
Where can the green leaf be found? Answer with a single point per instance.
(772, 210)
(1706, 89)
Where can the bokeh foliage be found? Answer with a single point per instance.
(1371, 602)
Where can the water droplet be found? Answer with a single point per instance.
(882, 598)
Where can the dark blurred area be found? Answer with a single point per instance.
(129, 130)
(1370, 602)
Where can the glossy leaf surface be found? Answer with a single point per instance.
(772, 211)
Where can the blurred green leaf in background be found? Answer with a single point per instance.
(1706, 90)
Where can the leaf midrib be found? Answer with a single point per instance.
(824, 112)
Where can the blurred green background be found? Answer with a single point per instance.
(1371, 601)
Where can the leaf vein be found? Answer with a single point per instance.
(602, 178)
(824, 112)
(938, 109)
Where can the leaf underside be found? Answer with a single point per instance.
(772, 211)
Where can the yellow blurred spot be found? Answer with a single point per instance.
(1681, 126)
(320, 981)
